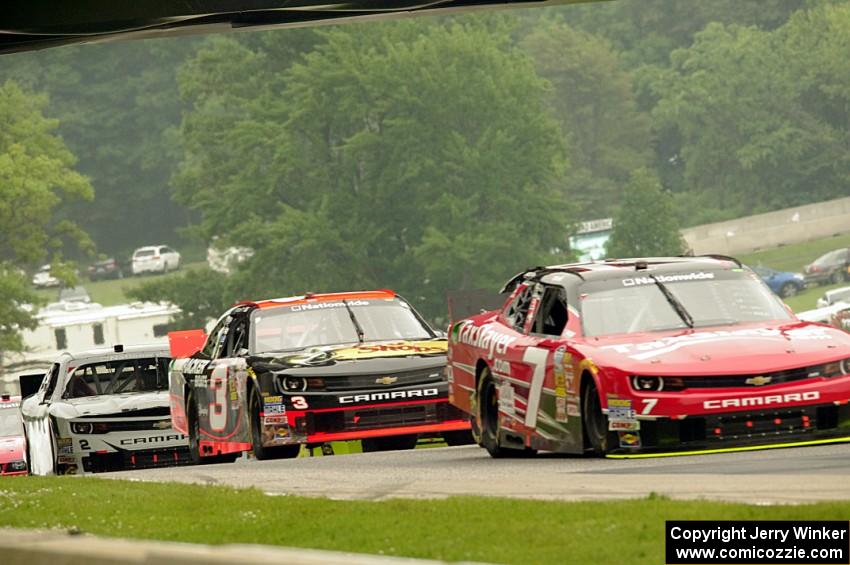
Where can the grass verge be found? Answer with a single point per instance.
(461, 528)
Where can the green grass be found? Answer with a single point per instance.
(459, 528)
(111, 292)
(794, 257)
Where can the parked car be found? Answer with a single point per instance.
(102, 410)
(12, 441)
(105, 269)
(646, 355)
(75, 294)
(225, 260)
(154, 259)
(43, 278)
(277, 374)
(829, 268)
(834, 296)
(783, 283)
(836, 315)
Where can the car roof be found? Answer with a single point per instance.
(324, 297)
(129, 351)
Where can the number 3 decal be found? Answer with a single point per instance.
(218, 406)
(299, 402)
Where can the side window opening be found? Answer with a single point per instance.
(517, 311)
(551, 318)
(51, 380)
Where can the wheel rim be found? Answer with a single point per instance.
(790, 290)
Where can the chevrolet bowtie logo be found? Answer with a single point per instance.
(162, 424)
(758, 381)
(386, 380)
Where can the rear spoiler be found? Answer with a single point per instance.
(186, 343)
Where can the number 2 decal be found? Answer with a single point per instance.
(648, 405)
(536, 358)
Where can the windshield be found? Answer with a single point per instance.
(330, 323)
(118, 377)
(711, 298)
(10, 422)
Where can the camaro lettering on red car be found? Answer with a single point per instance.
(399, 394)
(761, 400)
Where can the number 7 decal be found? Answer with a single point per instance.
(536, 358)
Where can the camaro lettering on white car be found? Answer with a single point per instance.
(398, 394)
(761, 400)
(152, 439)
(483, 337)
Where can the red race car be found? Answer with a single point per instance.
(647, 355)
(277, 374)
(13, 445)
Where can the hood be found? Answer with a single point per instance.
(740, 349)
(12, 448)
(333, 355)
(109, 404)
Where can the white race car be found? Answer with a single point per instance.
(102, 410)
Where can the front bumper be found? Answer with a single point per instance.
(747, 428)
(13, 468)
(136, 459)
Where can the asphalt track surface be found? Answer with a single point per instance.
(789, 475)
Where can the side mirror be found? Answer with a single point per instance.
(30, 384)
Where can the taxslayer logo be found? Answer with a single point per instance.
(395, 395)
(748, 401)
(637, 281)
(482, 337)
(655, 348)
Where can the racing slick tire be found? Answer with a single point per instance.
(459, 437)
(194, 429)
(488, 416)
(787, 290)
(594, 422)
(261, 452)
(389, 443)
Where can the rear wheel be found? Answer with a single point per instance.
(262, 452)
(788, 289)
(391, 443)
(594, 422)
(488, 410)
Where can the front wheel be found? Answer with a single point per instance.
(488, 417)
(262, 452)
(595, 423)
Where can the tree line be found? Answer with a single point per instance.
(435, 153)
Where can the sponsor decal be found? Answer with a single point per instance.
(507, 403)
(195, 367)
(234, 393)
(748, 401)
(327, 305)
(561, 410)
(482, 337)
(649, 349)
(64, 446)
(573, 410)
(501, 366)
(200, 381)
(269, 419)
(629, 439)
(400, 349)
(64, 459)
(10, 405)
(152, 439)
(700, 276)
(394, 395)
(559, 372)
(623, 425)
(273, 405)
